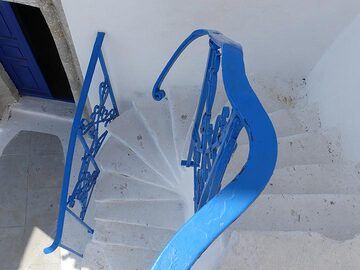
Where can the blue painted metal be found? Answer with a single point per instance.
(211, 148)
(17, 57)
(81, 128)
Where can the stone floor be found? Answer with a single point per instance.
(31, 168)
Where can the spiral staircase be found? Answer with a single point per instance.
(143, 196)
(141, 201)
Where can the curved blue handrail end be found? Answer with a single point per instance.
(197, 234)
(51, 248)
(96, 52)
(219, 39)
(157, 93)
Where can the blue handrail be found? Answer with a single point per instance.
(211, 149)
(80, 128)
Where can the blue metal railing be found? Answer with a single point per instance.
(81, 128)
(211, 148)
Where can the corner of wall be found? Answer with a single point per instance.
(334, 83)
(8, 92)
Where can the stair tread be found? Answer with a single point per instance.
(113, 186)
(128, 163)
(157, 117)
(126, 258)
(282, 94)
(132, 235)
(315, 179)
(130, 129)
(289, 250)
(60, 110)
(335, 215)
(320, 147)
(294, 121)
(94, 257)
(169, 214)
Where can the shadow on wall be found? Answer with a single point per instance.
(31, 170)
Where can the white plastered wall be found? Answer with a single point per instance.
(281, 39)
(335, 84)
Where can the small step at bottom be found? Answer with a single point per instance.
(94, 258)
(128, 258)
(108, 232)
(289, 250)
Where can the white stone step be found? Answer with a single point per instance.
(117, 186)
(295, 121)
(116, 157)
(132, 235)
(321, 147)
(336, 216)
(289, 250)
(287, 119)
(276, 94)
(55, 109)
(94, 258)
(167, 214)
(126, 258)
(315, 179)
(130, 129)
(157, 117)
(292, 121)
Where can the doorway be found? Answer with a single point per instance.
(29, 54)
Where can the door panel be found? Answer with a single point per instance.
(17, 57)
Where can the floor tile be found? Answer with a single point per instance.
(11, 247)
(42, 208)
(19, 145)
(12, 207)
(13, 172)
(42, 143)
(46, 171)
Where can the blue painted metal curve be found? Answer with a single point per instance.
(222, 210)
(86, 181)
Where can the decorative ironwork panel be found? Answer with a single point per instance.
(91, 134)
(90, 127)
(204, 150)
(207, 137)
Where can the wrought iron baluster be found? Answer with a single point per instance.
(211, 148)
(87, 131)
(200, 152)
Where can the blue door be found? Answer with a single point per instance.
(17, 57)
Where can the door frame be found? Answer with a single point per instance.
(54, 15)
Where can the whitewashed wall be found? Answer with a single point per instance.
(281, 38)
(335, 84)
